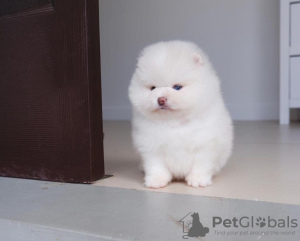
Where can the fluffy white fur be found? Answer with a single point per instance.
(191, 136)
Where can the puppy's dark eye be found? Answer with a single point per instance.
(177, 87)
(153, 87)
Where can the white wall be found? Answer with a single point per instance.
(240, 36)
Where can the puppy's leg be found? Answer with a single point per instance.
(156, 174)
(203, 168)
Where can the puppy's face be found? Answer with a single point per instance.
(169, 82)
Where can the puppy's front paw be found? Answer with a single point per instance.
(198, 180)
(157, 181)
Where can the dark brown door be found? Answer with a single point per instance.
(50, 90)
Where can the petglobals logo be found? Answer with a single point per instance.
(195, 226)
(252, 222)
(192, 226)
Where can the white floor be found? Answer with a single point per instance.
(265, 164)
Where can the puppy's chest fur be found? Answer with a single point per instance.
(173, 140)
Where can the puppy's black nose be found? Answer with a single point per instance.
(162, 101)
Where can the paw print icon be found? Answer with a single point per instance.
(261, 222)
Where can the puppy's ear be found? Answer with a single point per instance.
(198, 59)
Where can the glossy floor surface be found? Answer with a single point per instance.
(265, 164)
(47, 211)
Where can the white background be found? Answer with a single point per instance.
(241, 37)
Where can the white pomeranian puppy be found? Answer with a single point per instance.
(181, 127)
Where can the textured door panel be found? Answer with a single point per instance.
(50, 90)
